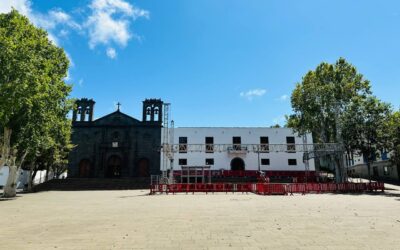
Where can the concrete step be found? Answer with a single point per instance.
(71, 184)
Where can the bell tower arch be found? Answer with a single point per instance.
(83, 111)
(152, 110)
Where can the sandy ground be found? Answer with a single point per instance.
(134, 220)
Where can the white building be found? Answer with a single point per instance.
(232, 148)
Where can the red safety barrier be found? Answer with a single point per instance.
(267, 188)
(297, 188)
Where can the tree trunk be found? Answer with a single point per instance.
(10, 189)
(369, 170)
(30, 178)
(47, 173)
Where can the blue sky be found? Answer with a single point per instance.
(219, 63)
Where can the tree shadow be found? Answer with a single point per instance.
(9, 199)
(385, 194)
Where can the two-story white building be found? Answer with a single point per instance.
(239, 148)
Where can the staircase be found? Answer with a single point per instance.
(76, 184)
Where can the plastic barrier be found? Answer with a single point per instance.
(268, 188)
(297, 188)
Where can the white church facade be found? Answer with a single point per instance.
(240, 149)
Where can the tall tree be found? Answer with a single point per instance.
(364, 127)
(393, 139)
(320, 99)
(33, 95)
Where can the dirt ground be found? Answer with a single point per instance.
(135, 220)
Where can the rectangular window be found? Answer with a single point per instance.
(210, 161)
(264, 144)
(264, 161)
(209, 144)
(236, 141)
(292, 162)
(183, 145)
(182, 162)
(291, 144)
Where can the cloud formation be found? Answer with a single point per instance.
(111, 53)
(110, 20)
(283, 98)
(250, 94)
(104, 22)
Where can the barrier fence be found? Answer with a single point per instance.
(267, 188)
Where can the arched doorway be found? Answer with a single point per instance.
(114, 165)
(84, 168)
(237, 164)
(144, 167)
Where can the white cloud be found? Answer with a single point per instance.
(23, 6)
(283, 98)
(110, 20)
(111, 53)
(80, 82)
(250, 94)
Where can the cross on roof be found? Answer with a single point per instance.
(118, 105)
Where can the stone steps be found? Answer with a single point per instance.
(76, 184)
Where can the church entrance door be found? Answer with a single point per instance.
(84, 168)
(144, 168)
(114, 165)
(237, 164)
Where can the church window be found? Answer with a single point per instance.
(115, 135)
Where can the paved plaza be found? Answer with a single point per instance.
(135, 220)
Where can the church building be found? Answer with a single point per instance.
(115, 145)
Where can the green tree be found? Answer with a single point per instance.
(33, 95)
(320, 99)
(393, 138)
(364, 127)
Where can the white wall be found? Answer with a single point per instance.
(222, 160)
(23, 177)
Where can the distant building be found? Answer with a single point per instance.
(237, 154)
(381, 168)
(116, 145)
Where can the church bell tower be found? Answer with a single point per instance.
(152, 110)
(83, 111)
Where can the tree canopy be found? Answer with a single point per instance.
(321, 97)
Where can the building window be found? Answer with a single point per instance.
(264, 161)
(115, 144)
(291, 144)
(292, 162)
(236, 141)
(183, 145)
(209, 144)
(210, 161)
(182, 162)
(264, 144)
